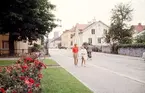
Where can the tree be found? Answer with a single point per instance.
(25, 20)
(120, 31)
(47, 44)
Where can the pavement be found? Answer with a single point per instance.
(106, 73)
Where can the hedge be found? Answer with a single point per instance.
(137, 45)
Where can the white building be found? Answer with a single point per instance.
(76, 37)
(54, 43)
(93, 33)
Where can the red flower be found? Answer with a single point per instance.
(40, 76)
(23, 70)
(29, 91)
(36, 62)
(24, 66)
(31, 80)
(29, 59)
(37, 85)
(2, 90)
(22, 77)
(43, 65)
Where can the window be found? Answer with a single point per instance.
(5, 44)
(90, 40)
(105, 31)
(71, 43)
(99, 40)
(93, 31)
(71, 35)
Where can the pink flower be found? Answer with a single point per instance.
(37, 85)
(36, 62)
(40, 75)
(14, 91)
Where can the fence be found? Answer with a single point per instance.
(17, 52)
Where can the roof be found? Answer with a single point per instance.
(81, 27)
(56, 39)
(139, 27)
(94, 23)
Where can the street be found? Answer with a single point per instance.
(106, 73)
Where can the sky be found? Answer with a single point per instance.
(83, 11)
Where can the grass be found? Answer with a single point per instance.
(49, 62)
(58, 80)
(6, 62)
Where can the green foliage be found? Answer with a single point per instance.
(36, 47)
(140, 38)
(126, 40)
(26, 19)
(107, 38)
(119, 30)
(137, 45)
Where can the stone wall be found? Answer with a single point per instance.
(106, 49)
(136, 52)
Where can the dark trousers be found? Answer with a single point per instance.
(89, 54)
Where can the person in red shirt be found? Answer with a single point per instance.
(75, 54)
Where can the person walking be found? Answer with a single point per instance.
(83, 53)
(89, 51)
(75, 54)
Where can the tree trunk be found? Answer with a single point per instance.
(11, 44)
(47, 46)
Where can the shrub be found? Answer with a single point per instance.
(95, 49)
(114, 49)
(139, 45)
(22, 77)
(36, 47)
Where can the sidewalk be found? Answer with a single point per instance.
(99, 80)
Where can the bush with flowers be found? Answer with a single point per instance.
(22, 77)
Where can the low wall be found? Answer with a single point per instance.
(136, 52)
(106, 49)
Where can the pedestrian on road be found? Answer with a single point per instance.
(75, 54)
(83, 53)
(89, 51)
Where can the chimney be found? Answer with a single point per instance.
(89, 22)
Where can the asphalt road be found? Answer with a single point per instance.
(106, 73)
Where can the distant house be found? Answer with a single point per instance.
(67, 38)
(18, 45)
(138, 29)
(54, 43)
(92, 33)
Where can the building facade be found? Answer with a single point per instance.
(67, 38)
(18, 45)
(93, 33)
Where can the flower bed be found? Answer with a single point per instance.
(22, 77)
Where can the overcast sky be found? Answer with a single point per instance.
(82, 11)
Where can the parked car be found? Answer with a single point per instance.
(95, 49)
(62, 47)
